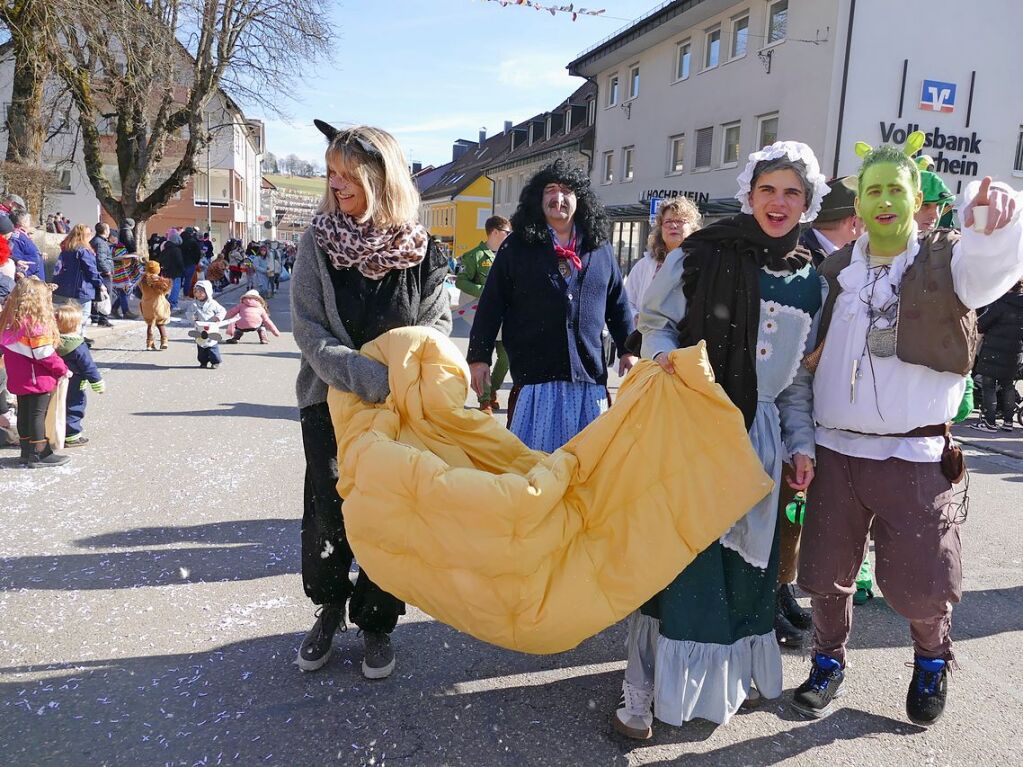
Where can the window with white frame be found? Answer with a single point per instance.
(628, 163)
(712, 48)
(609, 167)
(1018, 165)
(683, 59)
(704, 148)
(612, 90)
(676, 153)
(767, 130)
(730, 144)
(740, 36)
(498, 189)
(777, 21)
(634, 81)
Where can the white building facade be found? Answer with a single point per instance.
(688, 91)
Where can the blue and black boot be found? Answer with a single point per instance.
(925, 701)
(815, 697)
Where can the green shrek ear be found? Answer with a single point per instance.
(863, 149)
(914, 143)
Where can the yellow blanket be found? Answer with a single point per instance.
(449, 511)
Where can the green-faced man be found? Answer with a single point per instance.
(896, 340)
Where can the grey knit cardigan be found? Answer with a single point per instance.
(328, 358)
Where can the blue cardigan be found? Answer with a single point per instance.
(550, 333)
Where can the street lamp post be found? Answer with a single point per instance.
(209, 208)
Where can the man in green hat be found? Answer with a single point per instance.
(835, 227)
(836, 224)
(937, 199)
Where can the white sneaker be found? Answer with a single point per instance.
(634, 717)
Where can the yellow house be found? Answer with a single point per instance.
(456, 206)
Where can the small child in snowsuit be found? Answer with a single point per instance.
(252, 315)
(156, 309)
(28, 338)
(206, 314)
(78, 358)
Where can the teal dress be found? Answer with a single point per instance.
(710, 634)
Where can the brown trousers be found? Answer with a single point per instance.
(788, 555)
(917, 550)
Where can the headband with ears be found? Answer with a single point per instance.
(326, 129)
(914, 143)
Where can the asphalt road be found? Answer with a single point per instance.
(151, 606)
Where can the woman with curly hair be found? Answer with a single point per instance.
(553, 286)
(675, 220)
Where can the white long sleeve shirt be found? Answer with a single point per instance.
(891, 396)
(639, 279)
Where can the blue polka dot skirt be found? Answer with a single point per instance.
(548, 415)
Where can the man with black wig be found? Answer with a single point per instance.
(553, 287)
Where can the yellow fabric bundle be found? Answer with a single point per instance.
(449, 511)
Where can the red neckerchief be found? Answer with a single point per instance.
(567, 252)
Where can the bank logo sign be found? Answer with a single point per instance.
(936, 96)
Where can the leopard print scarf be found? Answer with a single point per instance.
(374, 252)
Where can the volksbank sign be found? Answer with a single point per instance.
(944, 142)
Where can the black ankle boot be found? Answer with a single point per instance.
(797, 616)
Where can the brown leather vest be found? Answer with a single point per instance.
(935, 329)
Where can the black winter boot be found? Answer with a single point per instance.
(798, 617)
(318, 643)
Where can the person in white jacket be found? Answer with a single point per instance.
(897, 336)
(208, 315)
(675, 220)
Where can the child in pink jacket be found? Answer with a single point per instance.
(252, 315)
(28, 342)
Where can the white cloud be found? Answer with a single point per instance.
(535, 70)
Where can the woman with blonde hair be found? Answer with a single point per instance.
(364, 266)
(675, 220)
(77, 274)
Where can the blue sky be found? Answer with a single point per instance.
(432, 71)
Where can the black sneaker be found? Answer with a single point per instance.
(983, 425)
(378, 655)
(925, 701)
(798, 617)
(102, 322)
(815, 697)
(788, 635)
(317, 645)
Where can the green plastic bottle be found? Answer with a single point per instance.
(796, 510)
